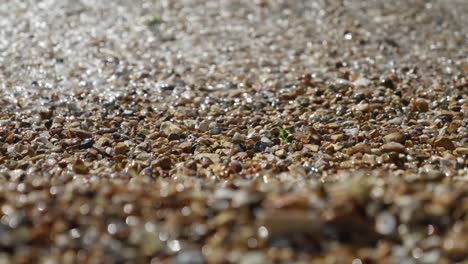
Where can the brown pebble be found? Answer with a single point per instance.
(454, 125)
(82, 134)
(153, 136)
(394, 137)
(444, 142)
(235, 166)
(359, 148)
(238, 138)
(293, 94)
(119, 158)
(173, 136)
(121, 148)
(313, 148)
(169, 128)
(461, 151)
(165, 163)
(191, 165)
(361, 107)
(103, 141)
(79, 167)
(420, 105)
(186, 147)
(46, 114)
(392, 147)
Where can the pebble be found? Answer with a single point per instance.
(82, 134)
(173, 136)
(215, 131)
(421, 105)
(461, 151)
(165, 163)
(80, 167)
(186, 147)
(361, 81)
(359, 148)
(235, 166)
(238, 138)
(211, 156)
(394, 137)
(121, 148)
(392, 147)
(280, 153)
(204, 126)
(169, 128)
(444, 142)
(361, 107)
(388, 83)
(260, 146)
(87, 143)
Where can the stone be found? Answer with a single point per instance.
(359, 148)
(164, 163)
(392, 147)
(394, 137)
(169, 128)
(421, 105)
(82, 134)
(461, 151)
(212, 156)
(80, 167)
(121, 148)
(87, 143)
(444, 142)
(186, 147)
(238, 138)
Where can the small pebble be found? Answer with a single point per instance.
(79, 167)
(164, 163)
(121, 148)
(444, 142)
(392, 147)
(385, 223)
(421, 105)
(394, 137)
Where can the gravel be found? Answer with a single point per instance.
(233, 131)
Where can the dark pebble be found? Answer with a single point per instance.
(173, 136)
(165, 163)
(387, 83)
(48, 124)
(87, 143)
(260, 146)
